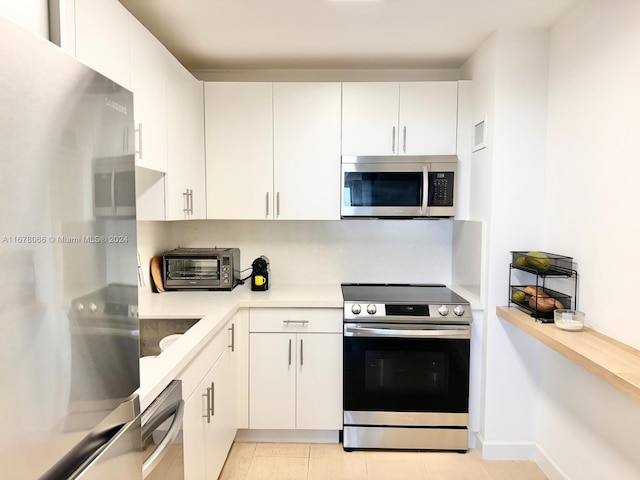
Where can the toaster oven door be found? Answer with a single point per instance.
(192, 272)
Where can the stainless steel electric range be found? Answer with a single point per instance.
(406, 367)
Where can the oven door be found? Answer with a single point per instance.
(406, 368)
(192, 272)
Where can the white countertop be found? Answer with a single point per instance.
(214, 309)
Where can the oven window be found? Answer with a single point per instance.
(406, 372)
(412, 375)
(193, 269)
(383, 189)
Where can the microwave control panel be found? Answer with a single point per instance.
(441, 189)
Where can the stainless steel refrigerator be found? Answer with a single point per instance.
(68, 272)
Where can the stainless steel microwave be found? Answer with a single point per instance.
(201, 268)
(398, 186)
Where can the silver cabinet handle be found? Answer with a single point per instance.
(208, 395)
(191, 198)
(393, 139)
(139, 132)
(301, 322)
(277, 204)
(233, 336)
(213, 398)
(404, 139)
(289, 352)
(301, 352)
(267, 205)
(185, 196)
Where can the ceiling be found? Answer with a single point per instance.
(335, 34)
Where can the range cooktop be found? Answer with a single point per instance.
(431, 293)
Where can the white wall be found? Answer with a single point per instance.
(317, 251)
(509, 74)
(331, 251)
(585, 427)
(32, 15)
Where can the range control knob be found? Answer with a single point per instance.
(443, 310)
(459, 310)
(371, 309)
(80, 307)
(93, 307)
(355, 309)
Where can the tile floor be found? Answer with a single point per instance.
(294, 461)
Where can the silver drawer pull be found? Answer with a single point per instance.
(289, 322)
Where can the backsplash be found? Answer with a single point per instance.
(319, 251)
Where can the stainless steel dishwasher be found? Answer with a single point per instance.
(162, 435)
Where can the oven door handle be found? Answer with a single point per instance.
(163, 447)
(444, 333)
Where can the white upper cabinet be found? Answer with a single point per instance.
(306, 146)
(273, 150)
(239, 150)
(148, 83)
(428, 118)
(399, 118)
(185, 178)
(102, 38)
(370, 118)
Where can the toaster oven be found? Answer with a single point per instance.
(201, 268)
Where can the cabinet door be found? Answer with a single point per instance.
(148, 83)
(102, 38)
(370, 118)
(272, 381)
(193, 431)
(185, 145)
(306, 145)
(428, 118)
(319, 382)
(239, 150)
(222, 429)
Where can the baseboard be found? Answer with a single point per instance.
(520, 451)
(288, 436)
(505, 450)
(548, 466)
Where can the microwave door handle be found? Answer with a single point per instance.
(113, 190)
(424, 209)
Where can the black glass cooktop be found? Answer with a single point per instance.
(400, 293)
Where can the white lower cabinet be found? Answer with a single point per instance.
(210, 415)
(295, 370)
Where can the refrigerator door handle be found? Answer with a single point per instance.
(163, 447)
(88, 452)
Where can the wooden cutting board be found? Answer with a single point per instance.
(156, 273)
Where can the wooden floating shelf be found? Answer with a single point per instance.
(608, 359)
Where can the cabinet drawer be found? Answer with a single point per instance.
(193, 374)
(295, 320)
